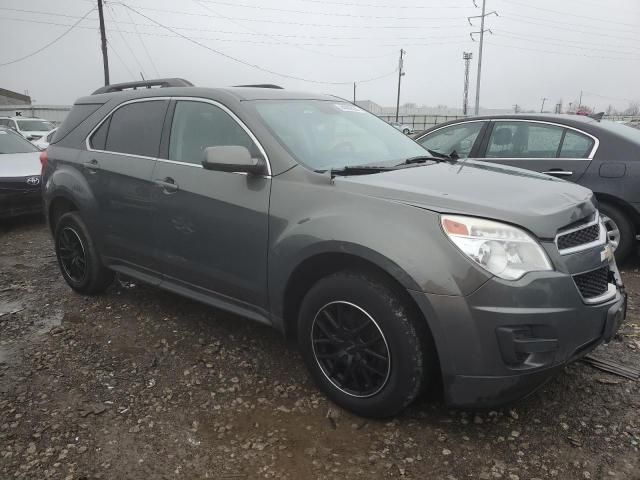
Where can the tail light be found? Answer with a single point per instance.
(44, 160)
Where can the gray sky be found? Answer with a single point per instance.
(541, 48)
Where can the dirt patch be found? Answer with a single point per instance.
(141, 383)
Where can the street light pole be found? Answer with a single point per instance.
(400, 74)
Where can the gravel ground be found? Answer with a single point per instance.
(141, 383)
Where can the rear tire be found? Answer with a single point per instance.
(620, 230)
(78, 259)
(363, 343)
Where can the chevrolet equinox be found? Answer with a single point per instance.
(391, 268)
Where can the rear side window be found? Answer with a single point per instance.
(524, 140)
(78, 114)
(135, 129)
(576, 145)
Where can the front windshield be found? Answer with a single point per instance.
(34, 125)
(326, 135)
(13, 143)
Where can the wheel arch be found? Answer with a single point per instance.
(625, 207)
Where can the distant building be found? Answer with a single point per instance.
(369, 106)
(7, 97)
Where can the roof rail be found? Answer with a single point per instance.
(159, 82)
(262, 85)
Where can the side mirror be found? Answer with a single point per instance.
(233, 158)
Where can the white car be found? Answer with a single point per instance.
(30, 128)
(20, 191)
(404, 128)
(45, 140)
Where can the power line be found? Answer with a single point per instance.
(565, 27)
(300, 24)
(589, 29)
(556, 52)
(144, 46)
(120, 58)
(347, 4)
(112, 14)
(572, 14)
(59, 37)
(327, 14)
(250, 33)
(256, 42)
(249, 64)
(581, 42)
(279, 41)
(556, 44)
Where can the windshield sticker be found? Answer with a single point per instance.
(347, 107)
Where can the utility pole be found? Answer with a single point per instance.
(466, 56)
(400, 74)
(481, 32)
(103, 37)
(516, 108)
(544, 99)
(580, 102)
(354, 93)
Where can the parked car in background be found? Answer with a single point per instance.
(600, 155)
(403, 127)
(391, 268)
(20, 191)
(30, 128)
(45, 140)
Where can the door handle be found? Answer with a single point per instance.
(559, 173)
(93, 166)
(168, 185)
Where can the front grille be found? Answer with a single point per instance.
(593, 284)
(579, 237)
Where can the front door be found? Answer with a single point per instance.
(540, 146)
(212, 227)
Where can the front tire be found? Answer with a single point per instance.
(620, 231)
(362, 344)
(78, 259)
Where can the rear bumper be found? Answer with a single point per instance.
(508, 338)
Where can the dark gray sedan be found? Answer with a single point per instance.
(600, 155)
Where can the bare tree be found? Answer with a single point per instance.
(634, 109)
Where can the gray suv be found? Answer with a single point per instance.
(391, 269)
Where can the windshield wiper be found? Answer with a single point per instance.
(434, 156)
(359, 170)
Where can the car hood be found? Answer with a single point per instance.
(35, 133)
(539, 203)
(19, 164)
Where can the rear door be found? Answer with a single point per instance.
(118, 165)
(544, 147)
(212, 226)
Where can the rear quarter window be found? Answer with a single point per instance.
(78, 114)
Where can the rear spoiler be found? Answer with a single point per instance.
(597, 116)
(157, 83)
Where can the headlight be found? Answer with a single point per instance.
(505, 251)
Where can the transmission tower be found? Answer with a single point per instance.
(466, 56)
(481, 33)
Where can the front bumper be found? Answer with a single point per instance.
(507, 338)
(20, 202)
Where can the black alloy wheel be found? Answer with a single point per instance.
(73, 256)
(351, 349)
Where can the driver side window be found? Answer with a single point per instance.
(459, 138)
(198, 125)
